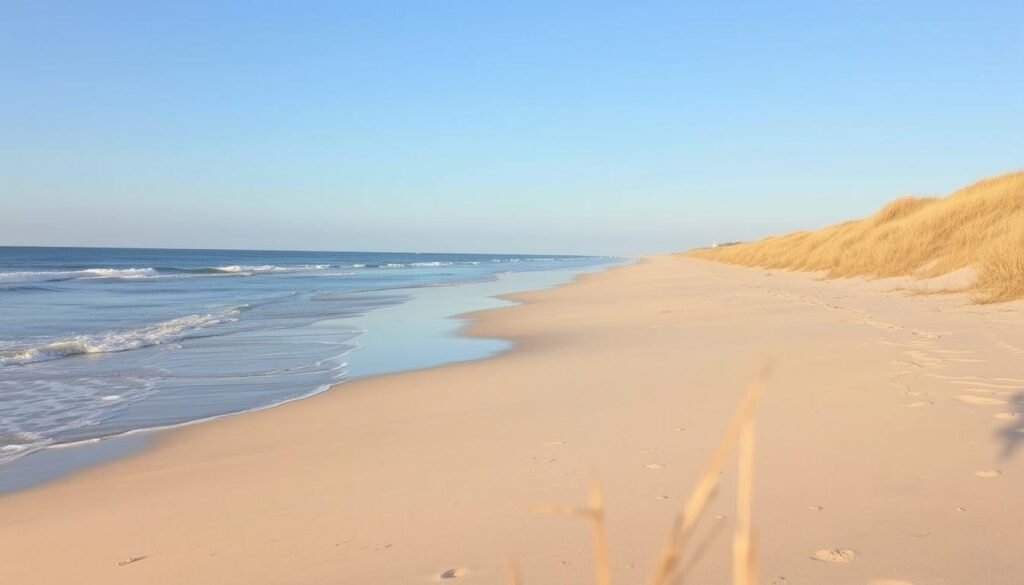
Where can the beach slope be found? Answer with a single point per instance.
(891, 428)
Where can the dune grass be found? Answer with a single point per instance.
(677, 560)
(980, 226)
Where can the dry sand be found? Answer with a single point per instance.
(885, 442)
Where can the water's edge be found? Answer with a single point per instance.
(422, 333)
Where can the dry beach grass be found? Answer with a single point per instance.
(674, 565)
(980, 226)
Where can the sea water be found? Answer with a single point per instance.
(97, 343)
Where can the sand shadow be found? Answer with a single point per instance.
(1012, 435)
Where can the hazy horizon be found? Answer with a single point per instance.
(539, 127)
(298, 250)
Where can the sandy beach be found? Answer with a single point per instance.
(891, 428)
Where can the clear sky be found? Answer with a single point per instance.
(604, 127)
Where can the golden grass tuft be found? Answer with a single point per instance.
(674, 565)
(979, 226)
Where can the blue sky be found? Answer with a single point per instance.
(592, 127)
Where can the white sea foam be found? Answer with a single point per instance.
(146, 273)
(237, 268)
(119, 273)
(115, 341)
(45, 276)
(19, 443)
(18, 440)
(264, 268)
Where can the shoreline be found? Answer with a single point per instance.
(629, 372)
(57, 461)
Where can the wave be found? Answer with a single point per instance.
(116, 341)
(235, 268)
(410, 264)
(12, 287)
(30, 276)
(14, 444)
(58, 275)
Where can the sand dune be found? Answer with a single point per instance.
(980, 228)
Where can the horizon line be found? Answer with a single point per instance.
(200, 249)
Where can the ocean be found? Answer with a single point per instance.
(97, 343)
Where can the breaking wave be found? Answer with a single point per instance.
(116, 341)
(50, 276)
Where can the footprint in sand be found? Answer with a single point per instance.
(988, 473)
(1007, 415)
(816, 508)
(454, 573)
(978, 400)
(918, 404)
(835, 555)
(654, 466)
(552, 443)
